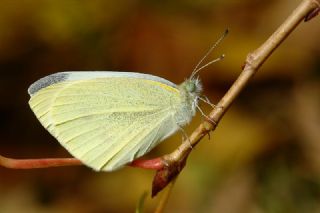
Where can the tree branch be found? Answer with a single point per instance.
(176, 160)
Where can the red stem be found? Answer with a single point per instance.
(154, 164)
(11, 163)
(37, 163)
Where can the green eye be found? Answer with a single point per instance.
(191, 87)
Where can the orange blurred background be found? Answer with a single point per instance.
(264, 155)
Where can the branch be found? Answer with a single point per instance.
(37, 163)
(176, 160)
(11, 163)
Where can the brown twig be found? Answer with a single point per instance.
(254, 60)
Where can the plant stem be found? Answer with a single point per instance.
(252, 64)
(254, 60)
(37, 163)
(11, 163)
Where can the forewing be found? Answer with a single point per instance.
(107, 122)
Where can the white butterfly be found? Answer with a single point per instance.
(107, 119)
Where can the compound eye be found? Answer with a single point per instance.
(191, 87)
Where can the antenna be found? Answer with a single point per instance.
(197, 69)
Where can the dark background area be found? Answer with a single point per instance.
(263, 157)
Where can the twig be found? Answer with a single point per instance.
(253, 62)
(11, 163)
(37, 163)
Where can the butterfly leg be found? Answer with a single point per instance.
(185, 136)
(207, 117)
(206, 100)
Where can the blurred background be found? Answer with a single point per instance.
(264, 155)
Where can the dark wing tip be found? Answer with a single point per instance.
(47, 81)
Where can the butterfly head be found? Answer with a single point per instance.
(192, 89)
(193, 86)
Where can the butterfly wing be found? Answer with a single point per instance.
(109, 120)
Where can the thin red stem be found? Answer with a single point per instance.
(154, 164)
(11, 163)
(37, 163)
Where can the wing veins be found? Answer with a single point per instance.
(119, 136)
